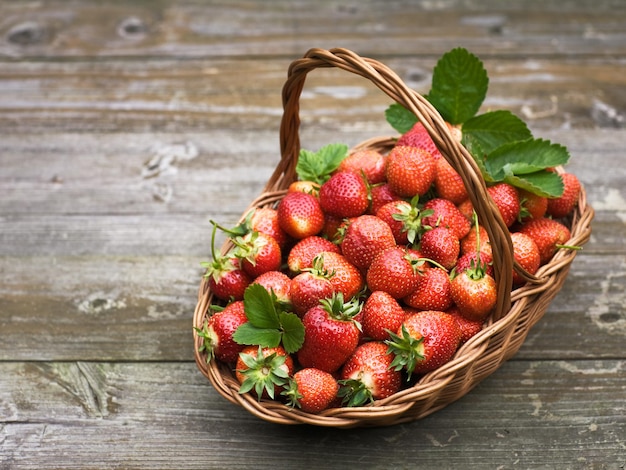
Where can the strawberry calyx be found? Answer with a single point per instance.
(209, 341)
(354, 392)
(337, 309)
(411, 217)
(248, 246)
(263, 373)
(408, 350)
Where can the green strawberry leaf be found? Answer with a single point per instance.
(260, 307)
(544, 183)
(459, 85)
(317, 166)
(292, 332)
(267, 324)
(490, 130)
(400, 118)
(250, 334)
(522, 158)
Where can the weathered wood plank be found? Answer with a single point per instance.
(191, 29)
(203, 94)
(136, 415)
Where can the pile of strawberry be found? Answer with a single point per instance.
(373, 268)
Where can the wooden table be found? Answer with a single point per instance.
(125, 127)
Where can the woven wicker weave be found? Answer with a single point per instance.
(516, 312)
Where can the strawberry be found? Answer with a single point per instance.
(226, 278)
(526, 253)
(345, 194)
(563, 205)
(474, 293)
(466, 208)
(312, 390)
(365, 237)
(548, 234)
(309, 287)
(476, 241)
(469, 328)
(425, 341)
(444, 213)
(432, 291)
(381, 313)
(419, 137)
(381, 194)
(277, 282)
(507, 201)
(265, 220)
(367, 162)
(532, 206)
(331, 334)
(410, 171)
(367, 375)
(405, 220)
(441, 245)
(394, 271)
(448, 183)
(301, 255)
(334, 228)
(258, 252)
(343, 275)
(218, 332)
(263, 370)
(300, 215)
(304, 186)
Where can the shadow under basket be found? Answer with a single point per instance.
(504, 332)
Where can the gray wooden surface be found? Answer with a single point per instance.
(126, 126)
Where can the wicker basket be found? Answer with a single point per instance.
(516, 311)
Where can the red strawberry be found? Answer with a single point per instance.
(304, 251)
(365, 237)
(367, 375)
(441, 245)
(258, 252)
(526, 253)
(312, 390)
(334, 228)
(381, 313)
(548, 234)
(466, 208)
(343, 275)
(368, 162)
(562, 206)
(474, 293)
(381, 194)
(394, 271)
(425, 341)
(265, 220)
(263, 371)
(277, 282)
(445, 214)
(448, 183)
(410, 171)
(309, 287)
(304, 186)
(419, 137)
(405, 220)
(507, 200)
(432, 292)
(345, 194)
(218, 332)
(532, 206)
(331, 334)
(300, 215)
(226, 278)
(473, 242)
(469, 328)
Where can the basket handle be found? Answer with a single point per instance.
(460, 159)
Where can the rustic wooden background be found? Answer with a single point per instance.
(126, 126)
